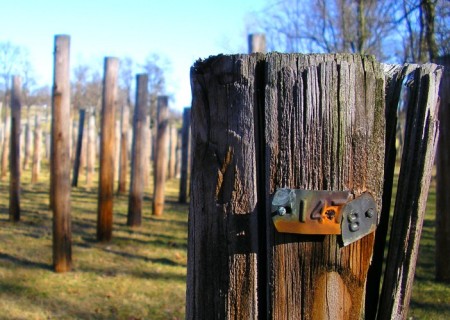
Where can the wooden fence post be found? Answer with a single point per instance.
(159, 172)
(172, 152)
(262, 122)
(28, 147)
(257, 43)
(139, 154)
(60, 157)
(123, 166)
(36, 167)
(91, 149)
(14, 155)
(185, 152)
(442, 234)
(107, 144)
(5, 147)
(421, 132)
(77, 162)
(178, 155)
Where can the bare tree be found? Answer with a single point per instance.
(13, 60)
(328, 25)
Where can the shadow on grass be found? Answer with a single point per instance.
(25, 262)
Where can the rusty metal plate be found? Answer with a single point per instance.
(308, 211)
(359, 218)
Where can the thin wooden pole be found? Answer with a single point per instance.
(185, 146)
(60, 157)
(28, 147)
(123, 169)
(6, 143)
(117, 151)
(107, 145)
(138, 153)
(172, 152)
(76, 165)
(36, 167)
(178, 155)
(160, 156)
(14, 156)
(91, 146)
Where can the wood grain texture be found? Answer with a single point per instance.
(107, 150)
(77, 161)
(324, 130)
(260, 122)
(443, 178)
(135, 199)
(37, 142)
(60, 157)
(421, 134)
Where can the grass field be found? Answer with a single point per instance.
(141, 274)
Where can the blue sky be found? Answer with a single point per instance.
(181, 31)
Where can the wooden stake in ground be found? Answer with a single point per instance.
(185, 151)
(14, 155)
(443, 178)
(138, 156)
(421, 133)
(107, 151)
(28, 146)
(77, 162)
(36, 167)
(123, 166)
(91, 149)
(60, 157)
(172, 152)
(263, 122)
(161, 155)
(6, 143)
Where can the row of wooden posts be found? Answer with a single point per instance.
(113, 149)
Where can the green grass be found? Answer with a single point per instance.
(430, 299)
(141, 273)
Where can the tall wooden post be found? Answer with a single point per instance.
(123, 166)
(146, 146)
(91, 146)
(185, 148)
(60, 157)
(28, 146)
(14, 155)
(77, 162)
(263, 122)
(442, 234)
(161, 155)
(36, 167)
(107, 144)
(138, 155)
(178, 155)
(5, 147)
(172, 152)
(257, 43)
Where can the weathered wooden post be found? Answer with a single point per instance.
(443, 178)
(138, 155)
(14, 155)
(28, 146)
(60, 157)
(36, 167)
(161, 155)
(5, 147)
(123, 166)
(172, 152)
(185, 152)
(77, 162)
(421, 132)
(91, 149)
(265, 122)
(257, 43)
(178, 155)
(106, 171)
(146, 146)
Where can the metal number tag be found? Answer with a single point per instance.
(324, 212)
